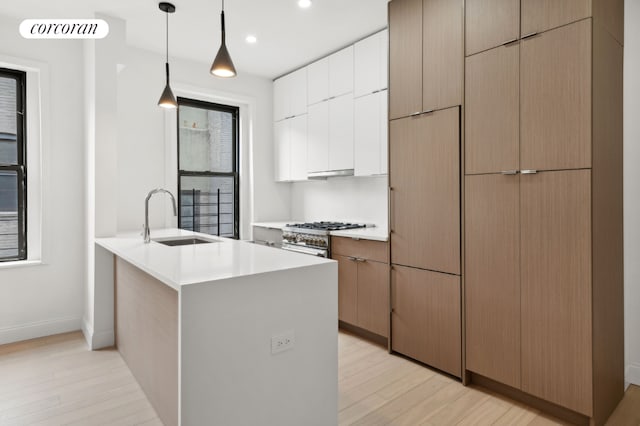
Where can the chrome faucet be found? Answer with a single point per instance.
(146, 232)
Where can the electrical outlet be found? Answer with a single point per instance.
(283, 342)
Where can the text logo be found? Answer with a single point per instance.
(64, 28)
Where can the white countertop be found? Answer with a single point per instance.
(198, 263)
(375, 233)
(274, 225)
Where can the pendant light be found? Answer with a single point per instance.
(223, 65)
(167, 99)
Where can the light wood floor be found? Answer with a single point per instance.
(57, 381)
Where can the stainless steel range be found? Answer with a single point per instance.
(313, 237)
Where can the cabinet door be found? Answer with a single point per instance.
(556, 99)
(373, 297)
(318, 81)
(341, 133)
(425, 318)
(542, 15)
(367, 67)
(489, 23)
(384, 132)
(405, 58)
(367, 135)
(384, 59)
(278, 99)
(298, 142)
(341, 72)
(492, 110)
(282, 151)
(442, 54)
(298, 92)
(318, 137)
(556, 287)
(425, 200)
(347, 289)
(492, 276)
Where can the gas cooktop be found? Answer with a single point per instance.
(326, 226)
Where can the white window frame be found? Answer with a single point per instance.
(37, 101)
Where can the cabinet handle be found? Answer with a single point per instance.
(508, 42)
(332, 97)
(376, 91)
(354, 259)
(391, 304)
(360, 259)
(529, 35)
(528, 172)
(509, 172)
(429, 111)
(415, 114)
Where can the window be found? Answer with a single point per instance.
(13, 202)
(208, 178)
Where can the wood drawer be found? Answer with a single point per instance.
(366, 249)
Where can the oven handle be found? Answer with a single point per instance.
(319, 253)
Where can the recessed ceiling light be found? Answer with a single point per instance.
(304, 3)
(251, 39)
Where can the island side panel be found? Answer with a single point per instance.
(230, 376)
(146, 312)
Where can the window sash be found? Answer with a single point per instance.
(235, 160)
(20, 166)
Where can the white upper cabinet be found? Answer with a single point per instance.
(370, 64)
(330, 76)
(290, 95)
(318, 137)
(370, 134)
(298, 92)
(290, 142)
(318, 81)
(341, 72)
(341, 132)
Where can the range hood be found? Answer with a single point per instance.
(329, 173)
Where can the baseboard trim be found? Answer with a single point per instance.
(97, 340)
(632, 375)
(38, 329)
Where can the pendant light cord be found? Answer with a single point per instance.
(167, 45)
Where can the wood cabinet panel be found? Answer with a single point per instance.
(492, 110)
(556, 99)
(489, 23)
(543, 15)
(347, 289)
(373, 297)
(425, 200)
(442, 54)
(610, 15)
(425, 319)
(556, 287)
(405, 58)
(365, 249)
(492, 277)
(146, 326)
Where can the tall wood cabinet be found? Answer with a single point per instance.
(543, 202)
(425, 94)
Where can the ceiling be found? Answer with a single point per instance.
(288, 37)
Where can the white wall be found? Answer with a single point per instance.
(48, 298)
(146, 160)
(632, 189)
(351, 199)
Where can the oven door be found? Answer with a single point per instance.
(306, 249)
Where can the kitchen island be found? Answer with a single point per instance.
(225, 332)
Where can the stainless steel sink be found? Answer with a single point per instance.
(183, 241)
